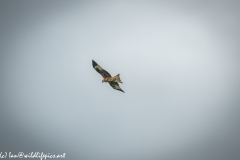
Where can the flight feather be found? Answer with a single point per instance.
(100, 70)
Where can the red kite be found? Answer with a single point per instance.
(107, 77)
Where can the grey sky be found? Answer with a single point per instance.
(179, 61)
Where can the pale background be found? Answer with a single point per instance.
(179, 61)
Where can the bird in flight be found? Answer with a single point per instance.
(113, 81)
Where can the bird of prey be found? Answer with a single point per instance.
(107, 77)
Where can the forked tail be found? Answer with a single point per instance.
(117, 78)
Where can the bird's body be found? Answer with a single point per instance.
(107, 77)
(112, 79)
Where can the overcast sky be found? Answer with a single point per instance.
(178, 60)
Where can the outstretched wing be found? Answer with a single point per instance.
(100, 70)
(116, 86)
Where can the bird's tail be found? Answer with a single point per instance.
(117, 79)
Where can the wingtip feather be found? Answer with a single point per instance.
(121, 91)
(94, 63)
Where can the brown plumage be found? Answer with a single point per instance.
(112, 79)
